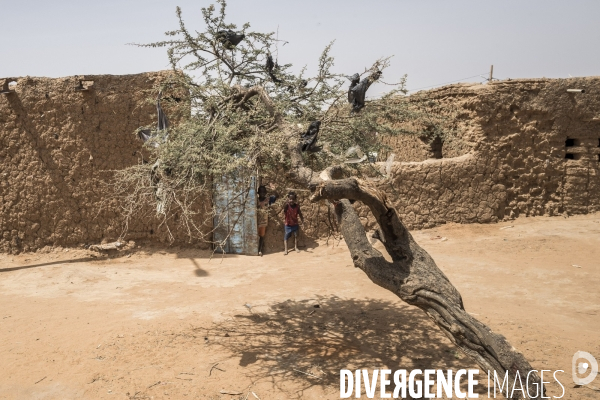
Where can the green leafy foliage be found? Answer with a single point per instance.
(240, 113)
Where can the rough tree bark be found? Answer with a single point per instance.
(415, 278)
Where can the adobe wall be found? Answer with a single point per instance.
(57, 146)
(517, 160)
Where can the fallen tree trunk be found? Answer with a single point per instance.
(415, 278)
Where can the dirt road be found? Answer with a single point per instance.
(172, 324)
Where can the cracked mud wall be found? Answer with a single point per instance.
(531, 149)
(528, 148)
(57, 147)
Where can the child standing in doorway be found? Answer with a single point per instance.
(291, 211)
(262, 216)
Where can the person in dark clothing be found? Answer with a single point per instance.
(262, 206)
(291, 212)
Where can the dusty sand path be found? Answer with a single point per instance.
(153, 324)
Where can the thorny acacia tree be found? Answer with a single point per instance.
(247, 113)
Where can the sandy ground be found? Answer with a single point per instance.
(172, 324)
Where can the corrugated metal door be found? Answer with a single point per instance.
(235, 217)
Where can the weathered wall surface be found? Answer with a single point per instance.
(528, 148)
(406, 149)
(57, 146)
(534, 151)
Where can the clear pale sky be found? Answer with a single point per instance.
(433, 41)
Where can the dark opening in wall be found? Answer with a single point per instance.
(571, 142)
(598, 142)
(572, 156)
(436, 148)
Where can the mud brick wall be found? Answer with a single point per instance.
(528, 148)
(531, 148)
(57, 146)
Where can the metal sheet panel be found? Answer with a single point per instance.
(235, 218)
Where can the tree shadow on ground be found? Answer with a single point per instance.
(75, 260)
(297, 345)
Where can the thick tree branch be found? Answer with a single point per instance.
(243, 94)
(415, 278)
